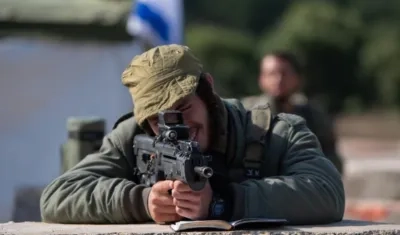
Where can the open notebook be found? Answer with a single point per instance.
(248, 223)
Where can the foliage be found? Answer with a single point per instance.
(349, 49)
(381, 58)
(227, 55)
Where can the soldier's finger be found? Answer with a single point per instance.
(181, 187)
(186, 213)
(185, 204)
(163, 200)
(170, 209)
(162, 218)
(163, 186)
(188, 196)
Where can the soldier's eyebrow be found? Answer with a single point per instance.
(181, 104)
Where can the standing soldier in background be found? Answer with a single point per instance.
(280, 81)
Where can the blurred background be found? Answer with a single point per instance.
(60, 59)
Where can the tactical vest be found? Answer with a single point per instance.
(251, 144)
(252, 135)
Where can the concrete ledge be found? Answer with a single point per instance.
(345, 227)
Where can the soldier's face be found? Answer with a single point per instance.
(277, 77)
(195, 115)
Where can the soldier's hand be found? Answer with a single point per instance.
(191, 204)
(160, 203)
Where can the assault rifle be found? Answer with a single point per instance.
(171, 155)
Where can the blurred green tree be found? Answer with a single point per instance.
(228, 55)
(253, 16)
(380, 58)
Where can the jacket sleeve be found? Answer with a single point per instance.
(99, 188)
(308, 188)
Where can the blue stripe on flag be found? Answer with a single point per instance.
(159, 25)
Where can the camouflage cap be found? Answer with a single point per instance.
(160, 77)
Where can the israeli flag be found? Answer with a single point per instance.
(157, 22)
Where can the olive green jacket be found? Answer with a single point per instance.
(317, 120)
(298, 183)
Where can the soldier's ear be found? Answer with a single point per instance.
(209, 79)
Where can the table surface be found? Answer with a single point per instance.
(344, 227)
